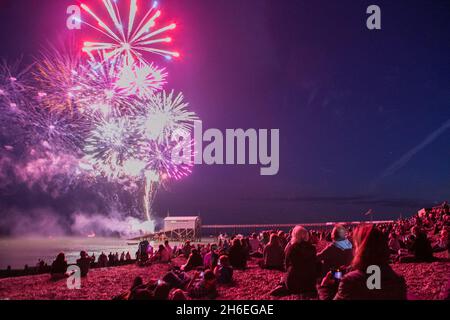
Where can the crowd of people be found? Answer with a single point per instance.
(338, 271)
(59, 267)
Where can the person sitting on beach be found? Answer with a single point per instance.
(84, 262)
(102, 260)
(245, 242)
(161, 290)
(223, 271)
(59, 267)
(419, 247)
(137, 282)
(273, 254)
(110, 259)
(162, 255)
(203, 285)
(41, 266)
(255, 246)
(442, 243)
(168, 248)
(394, 243)
(211, 257)
(237, 256)
(122, 256)
(265, 237)
(186, 249)
(338, 253)
(282, 239)
(128, 256)
(371, 249)
(176, 278)
(177, 295)
(225, 245)
(194, 261)
(301, 264)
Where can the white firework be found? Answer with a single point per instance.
(163, 114)
(110, 145)
(141, 80)
(97, 90)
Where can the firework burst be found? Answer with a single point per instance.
(97, 92)
(57, 131)
(101, 117)
(57, 73)
(141, 80)
(172, 160)
(129, 40)
(163, 114)
(111, 144)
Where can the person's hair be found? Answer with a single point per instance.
(415, 230)
(161, 247)
(137, 282)
(274, 239)
(161, 291)
(177, 294)
(194, 252)
(83, 254)
(338, 232)
(209, 275)
(224, 260)
(371, 247)
(236, 242)
(299, 234)
(166, 242)
(61, 256)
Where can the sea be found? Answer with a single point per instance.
(18, 252)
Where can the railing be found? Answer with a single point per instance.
(246, 228)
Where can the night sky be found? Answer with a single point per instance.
(363, 115)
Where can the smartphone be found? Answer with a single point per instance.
(337, 274)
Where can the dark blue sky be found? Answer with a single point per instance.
(350, 103)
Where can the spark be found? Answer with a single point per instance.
(110, 145)
(141, 80)
(130, 41)
(165, 113)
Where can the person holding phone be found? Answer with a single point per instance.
(371, 249)
(339, 252)
(224, 271)
(202, 286)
